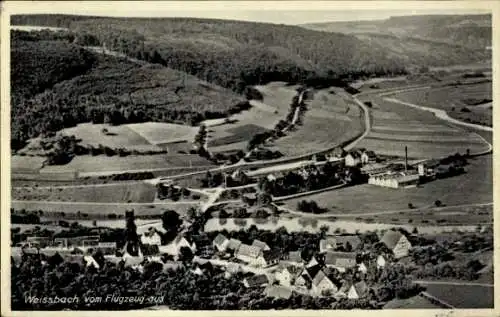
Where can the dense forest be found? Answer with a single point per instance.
(473, 31)
(74, 85)
(57, 84)
(233, 54)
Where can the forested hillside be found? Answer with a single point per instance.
(472, 31)
(57, 84)
(233, 54)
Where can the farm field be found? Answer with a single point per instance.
(164, 133)
(463, 296)
(117, 136)
(330, 120)
(27, 164)
(138, 192)
(262, 116)
(395, 126)
(89, 165)
(415, 302)
(470, 103)
(473, 215)
(477, 182)
(101, 210)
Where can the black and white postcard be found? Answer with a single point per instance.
(262, 156)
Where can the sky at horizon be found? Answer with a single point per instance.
(292, 13)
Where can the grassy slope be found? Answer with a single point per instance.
(466, 30)
(423, 40)
(477, 182)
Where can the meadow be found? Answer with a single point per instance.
(463, 296)
(331, 119)
(262, 116)
(470, 103)
(164, 133)
(395, 126)
(137, 192)
(87, 165)
(477, 183)
(116, 137)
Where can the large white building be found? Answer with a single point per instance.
(395, 179)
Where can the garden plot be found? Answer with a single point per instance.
(110, 136)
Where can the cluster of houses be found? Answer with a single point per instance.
(360, 157)
(258, 254)
(320, 275)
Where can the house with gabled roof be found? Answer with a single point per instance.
(322, 285)
(250, 254)
(90, 261)
(233, 245)
(262, 245)
(151, 237)
(220, 242)
(337, 152)
(381, 261)
(362, 267)
(313, 262)
(287, 274)
(256, 281)
(353, 158)
(270, 257)
(397, 242)
(358, 290)
(174, 247)
(340, 260)
(368, 157)
(327, 244)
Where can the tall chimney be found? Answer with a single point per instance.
(406, 158)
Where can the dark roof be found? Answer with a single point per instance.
(312, 271)
(270, 255)
(319, 277)
(391, 238)
(370, 154)
(355, 154)
(257, 280)
(294, 270)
